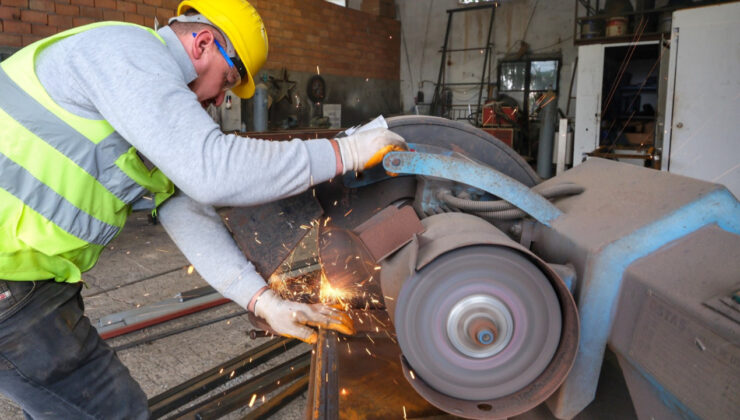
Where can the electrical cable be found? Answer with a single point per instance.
(478, 206)
(623, 67)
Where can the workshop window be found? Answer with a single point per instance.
(528, 79)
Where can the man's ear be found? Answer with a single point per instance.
(200, 43)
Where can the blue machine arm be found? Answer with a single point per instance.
(470, 173)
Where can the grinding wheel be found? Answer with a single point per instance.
(478, 323)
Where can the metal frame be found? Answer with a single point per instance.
(434, 110)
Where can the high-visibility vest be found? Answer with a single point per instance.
(66, 182)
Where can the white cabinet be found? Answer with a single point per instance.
(617, 105)
(702, 124)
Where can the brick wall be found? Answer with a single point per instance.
(303, 34)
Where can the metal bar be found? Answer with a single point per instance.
(473, 174)
(570, 88)
(467, 9)
(323, 401)
(240, 395)
(562, 146)
(633, 13)
(467, 49)
(175, 331)
(438, 86)
(155, 314)
(485, 62)
(575, 20)
(201, 384)
(280, 400)
(462, 84)
(255, 334)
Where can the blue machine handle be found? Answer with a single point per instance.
(482, 177)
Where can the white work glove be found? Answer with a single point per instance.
(292, 319)
(366, 148)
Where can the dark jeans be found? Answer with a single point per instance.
(54, 364)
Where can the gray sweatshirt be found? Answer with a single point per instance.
(140, 86)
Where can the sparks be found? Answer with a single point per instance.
(190, 269)
(411, 372)
(254, 397)
(347, 214)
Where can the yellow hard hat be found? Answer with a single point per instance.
(243, 26)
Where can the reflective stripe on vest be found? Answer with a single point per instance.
(45, 201)
(66, 182)
(87, 155)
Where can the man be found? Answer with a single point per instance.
(74, 110)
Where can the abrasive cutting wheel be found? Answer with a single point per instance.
(478, 323)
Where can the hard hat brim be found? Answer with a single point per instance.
(245, 90)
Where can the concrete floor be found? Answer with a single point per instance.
(142, 266)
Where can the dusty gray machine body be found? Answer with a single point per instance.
(652, 261)
(512, 301)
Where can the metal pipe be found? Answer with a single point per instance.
(255, 334)
(485, 61)
(264, 383)
(279, 400)
(501, 205)
(167, 401)
(547, 131)
(438, 87)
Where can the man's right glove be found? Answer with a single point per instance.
(292, 319)
(365, 149)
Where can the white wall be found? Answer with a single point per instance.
(423, 24)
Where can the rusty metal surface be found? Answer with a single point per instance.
(323, 390)
(350, 207)
(278, 401)
(266, 234)
(370, 383)
(389, 230)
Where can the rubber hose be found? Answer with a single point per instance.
(501, 205)
(510, 214)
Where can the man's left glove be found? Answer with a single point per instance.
(365, 149)
(292, 319)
